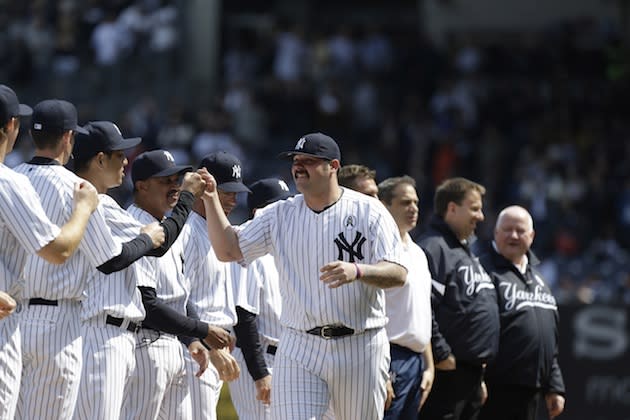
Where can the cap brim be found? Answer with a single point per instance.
(127, 143)
(25, 110)
(80, 130)
(290, 154)
(234, 187)
(172, 171)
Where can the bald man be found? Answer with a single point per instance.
(526, 366)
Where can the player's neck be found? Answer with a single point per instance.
(322, 200)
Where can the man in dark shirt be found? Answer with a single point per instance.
(465, 315)
(527, 364)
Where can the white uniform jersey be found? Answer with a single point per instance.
(409, 307)
(164, 274)
(211, 285)
(115, 294)
(24, 227)
(356, 229)
(259, 293)
(55, 186)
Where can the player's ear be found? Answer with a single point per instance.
(335, 164)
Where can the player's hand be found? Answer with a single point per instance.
(263, 389)
(85, 195)
(338, 273)
(555, 404)
(484, 392)
(225, 364)
(156, 232)
(447, 364)
(218, 338)
(390, 395)
(193, 182)
(428, 375)
(201, 355)
(211, 183)
(7, 305)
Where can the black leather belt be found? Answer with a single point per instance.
(117, 322)
(40, 301)
(331, 331)
(271, 349)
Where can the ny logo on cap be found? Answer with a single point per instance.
(283, 185)
(236, 171)
(169, 156)
(118, 130)
(300, 144)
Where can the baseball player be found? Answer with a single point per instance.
(113, 306)
(212, 291)
(25, 229)
(52, 294)
(258, 308)
(335, 250)
(465, 333)
(359, 178)
(408, 308)
(159, 385)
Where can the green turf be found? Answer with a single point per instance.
(225, 409)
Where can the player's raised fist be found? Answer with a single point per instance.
(194, 183)
(156, 232)
(85, 194)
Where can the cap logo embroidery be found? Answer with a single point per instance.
(117, 129)
(37, 126)
(236, 171)
(169, 156)
(300, 144)
(283, 185)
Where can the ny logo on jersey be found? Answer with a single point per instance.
(236, 171)
(300, 144)
(355, 249)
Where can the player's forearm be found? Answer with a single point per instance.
(63, 246)
(222, 236)
(384, 274)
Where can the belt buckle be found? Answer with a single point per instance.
(326, 332)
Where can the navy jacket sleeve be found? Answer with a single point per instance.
(162, 318)
(441, 349)
(249, 342)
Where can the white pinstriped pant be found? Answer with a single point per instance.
(243, 390)
(158, 388)
(347, 373)
(108, 363)
(51, 360)
(10, 365)
(204, 391)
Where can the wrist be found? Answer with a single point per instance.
(358, 270)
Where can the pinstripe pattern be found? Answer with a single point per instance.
(158, 388)
(213, 296)
(51, 345)
(108, 362)
(211, 288)
(204, 391)
(24, 230)
(55, 186)
(348, 373)
(243, 391)
(108, 351)
(10, 365)
(51, 352)
(302, 241)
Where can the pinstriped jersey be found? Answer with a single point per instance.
(24, 227)
(259, 293)
(166, 273)
(211, 283)
(356, 228)
(115, 294)
(55, 186)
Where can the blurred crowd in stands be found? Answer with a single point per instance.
(539, 118)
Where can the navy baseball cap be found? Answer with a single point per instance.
(103, 136)
(55, 115)
(10, 106)
(317, 145)
(155, 163)
(226, 169)
(267, 191)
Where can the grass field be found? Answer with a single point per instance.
(225, 409)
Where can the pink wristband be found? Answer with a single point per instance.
(358, 271)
